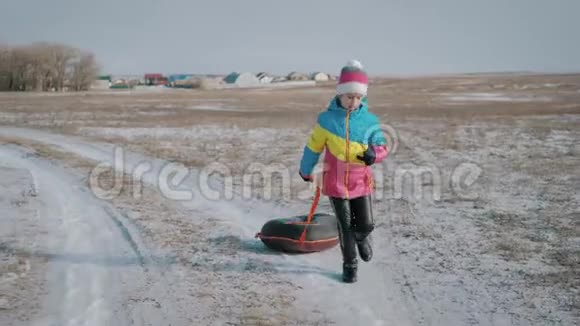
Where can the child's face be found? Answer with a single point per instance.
(350, 101)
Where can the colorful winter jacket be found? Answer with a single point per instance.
(345, 135)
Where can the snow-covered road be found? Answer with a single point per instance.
(96, 262)
(102, 271)
(93, 233)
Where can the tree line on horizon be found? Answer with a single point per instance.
(46, 67)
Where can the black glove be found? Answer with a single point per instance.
(368, 156)
(306, 178)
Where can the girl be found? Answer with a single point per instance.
(353, 141)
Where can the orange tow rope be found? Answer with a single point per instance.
(311, 213)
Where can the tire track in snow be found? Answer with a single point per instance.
(88, 248)
(127, 236)
(247, 216)
(177, 287)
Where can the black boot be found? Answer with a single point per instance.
(365, 250)
(363, 225)
(349, 272)
(347, 239)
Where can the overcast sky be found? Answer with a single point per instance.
(387, 36)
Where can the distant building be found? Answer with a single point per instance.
(297, 76)
(126, 81)
(265, 78)
(176, 77)
(320, 76)
(244, 79)
(155, 79)
(181, 80)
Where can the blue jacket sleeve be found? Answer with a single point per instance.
(313, 149)
(377, 136)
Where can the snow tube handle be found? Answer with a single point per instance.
(311, 213)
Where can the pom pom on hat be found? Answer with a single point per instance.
(353, 79)
(354, 63)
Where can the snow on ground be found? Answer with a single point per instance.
(511, 212)
(90, 246)
(86, 245)
(495, 244)
(374, 301)
(20, 281)
(435, 265)
(234, 149)
(187, 100)
(215, 107)
(493, 97)
(194, 134)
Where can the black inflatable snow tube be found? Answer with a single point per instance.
(283, 234)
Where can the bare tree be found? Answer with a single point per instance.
(20, 66)
(45, 67)
(35, 66)
(5, 75)
(22, 69)
(84, 72)
(59, 59)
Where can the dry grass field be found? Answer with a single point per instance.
(477, 207)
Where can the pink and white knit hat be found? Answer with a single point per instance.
(353, 79)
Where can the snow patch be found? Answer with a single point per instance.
(194, 133)
(494, 97)
(215, 107)
(93, 257)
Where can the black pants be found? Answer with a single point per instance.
(355, 223)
